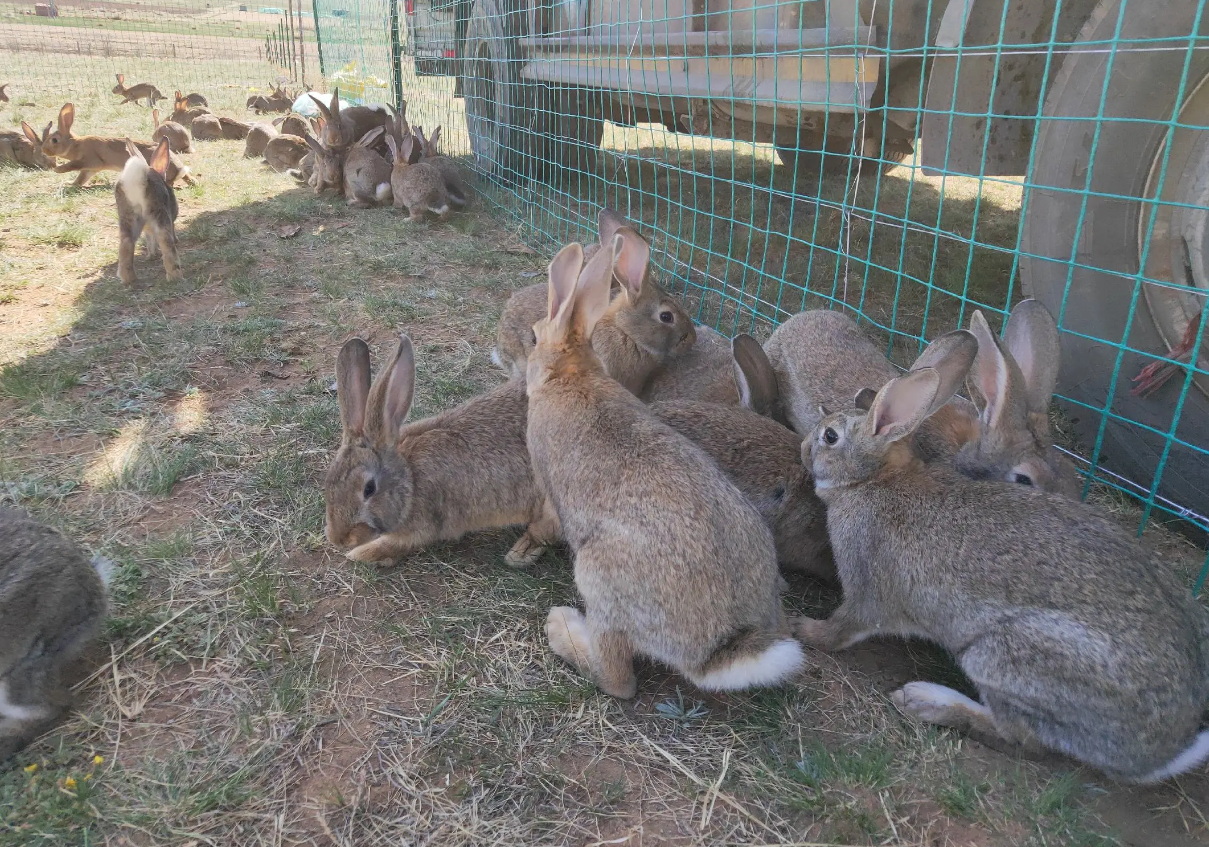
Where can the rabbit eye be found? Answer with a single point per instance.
(370, 488)
(666, 317)
(1022, 479)
(830, 436)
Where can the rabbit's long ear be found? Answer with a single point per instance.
(902, 405)
(951, 356)
(323, 109)
(121, 78)
(314, 145)
(370, 137)
(131, 150)
(31, 134)
(754, 376)
(991, 376)
(560, 290)
(632, 261)
(391, 394)
(394, 148)
(155, 118)
(335, 110)
(434, 140)
(352, 386)
(159, 159)
(67, 116)
(607, 224)
(593, 287)
(1031, 338)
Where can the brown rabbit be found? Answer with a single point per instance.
(396, 487)
(3, 93)
(692, 582)
(292, 125)
(1078, 638)
(19, 150)
(762, 458)
(258, 138)
(345, 124)
(329, 167)
(233, 130)
(192, 99)
(90, 154)
(455, 187)
(415, 186)
(52, 605)
(206, 127)
(135, 93)
(643, 327)
(177, 135)
(703, 372)
(367, 176)
(145, 201)
(183, 113)
(283, 152)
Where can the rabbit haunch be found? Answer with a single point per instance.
(692, 583)
(1076, 636)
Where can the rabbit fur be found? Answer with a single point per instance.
(1076, 636)
(90, 154)
(692, 583)
(642, 328)
(415, 185)
(145, 201)
(52, 604)
(367, 176)
(395, 487)
(177, 135)
(822, 358)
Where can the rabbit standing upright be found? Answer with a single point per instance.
(146, 202)
(52, 604)
(672, 560)
(1076, 636)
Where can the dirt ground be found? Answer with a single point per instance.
(254, 687)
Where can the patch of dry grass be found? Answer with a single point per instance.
(256, 688)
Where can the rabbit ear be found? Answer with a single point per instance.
(335, 110)
(593, 288)
(434, 139)
(563, 275)
(394, 148)
(754, 375)
(67, 116)
(155, 118)
(863, 399)
(159, 159)
(632, 261)
(314, 145)
(46, 131)
(30, 133)
(950, 356)
(370, 137)
(352, 386)
(131, 150)
(990, 380)
(323, 109)
(902, 405)
(121, 78)
(1031, 338)
(400, 378)
(608, 223)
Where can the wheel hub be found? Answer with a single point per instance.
(1179, 242)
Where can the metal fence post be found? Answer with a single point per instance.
(396, 54)
(318, 37)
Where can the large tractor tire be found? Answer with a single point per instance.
(1114, 195)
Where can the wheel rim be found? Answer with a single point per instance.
(1179, 243)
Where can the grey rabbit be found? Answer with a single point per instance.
(52, 605)
(1077, 637)
(822, 358)
(146, 203)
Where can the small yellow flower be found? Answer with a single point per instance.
(31, 768)
(87, 777)
(98, 760)
(70, 782)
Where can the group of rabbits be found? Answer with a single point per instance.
(348, 156)
(680, 468)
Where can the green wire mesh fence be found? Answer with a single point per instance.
(907, 161)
